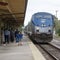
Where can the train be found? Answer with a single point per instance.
(41, 27)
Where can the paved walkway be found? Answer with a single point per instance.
(14, 52)
(27, 51)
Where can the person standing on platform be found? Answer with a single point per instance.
(16, 32)
(11, 35)
(6, 35)
(18, 38)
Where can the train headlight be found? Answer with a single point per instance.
(37, 29)
(49, 30)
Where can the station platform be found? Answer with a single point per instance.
(26, 51)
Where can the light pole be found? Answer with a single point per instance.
(56, 13)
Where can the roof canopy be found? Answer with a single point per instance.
(13, 10)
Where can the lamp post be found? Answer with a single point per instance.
(56, 12)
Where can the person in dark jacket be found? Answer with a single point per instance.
(11, 35)
(19, 38)
(16, 32)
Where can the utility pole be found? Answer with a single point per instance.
(56, 12)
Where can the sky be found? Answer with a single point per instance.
(35, 6)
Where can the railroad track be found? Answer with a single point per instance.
(51, 50)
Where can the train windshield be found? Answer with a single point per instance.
(43, 20)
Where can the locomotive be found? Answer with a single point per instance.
(40, 28)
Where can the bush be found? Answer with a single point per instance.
(58, 32)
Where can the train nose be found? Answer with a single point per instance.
(43, 35)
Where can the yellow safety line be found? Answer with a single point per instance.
(36, 53)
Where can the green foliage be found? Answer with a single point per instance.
(58, 32)
(57, 26)
(20, 28)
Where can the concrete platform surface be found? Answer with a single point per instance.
(26, 51)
